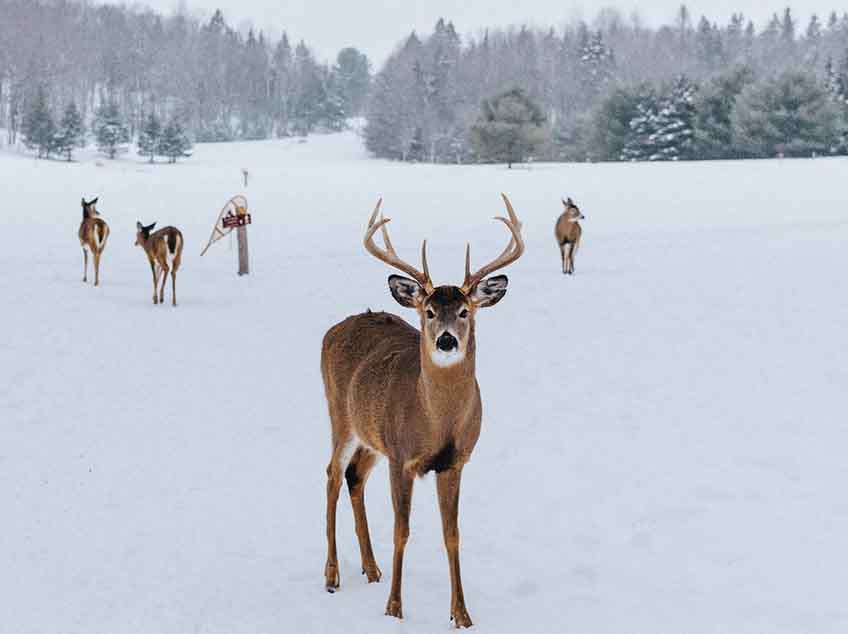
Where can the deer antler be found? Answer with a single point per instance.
(389, 255)
(513, 250)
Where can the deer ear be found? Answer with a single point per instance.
(490, 291)
(570, 202)
(94, 201)
(139, 226)
(406, 292)
(150, 227)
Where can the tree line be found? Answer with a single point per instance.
(215, 82)
(615, 90)
(609, 89)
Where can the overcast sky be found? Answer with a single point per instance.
(376, 26)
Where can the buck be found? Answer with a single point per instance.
(93, 232)
(164, 250)
(568, 232)
(411, 396)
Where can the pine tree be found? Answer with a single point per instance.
(174, 143)
(676, 123)
(714, 107)
(110, 130)
(640, 144)
(509, 129)
(150, 136)
(38, 127)
(611, 123)
(597, 65)
(71, 132)
(790, 114)
(353, 76)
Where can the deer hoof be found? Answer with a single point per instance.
(331, 576)
(373, 573)
(460, 618)
(393, 609)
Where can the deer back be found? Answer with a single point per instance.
(166, 246)
(93, 233)
(370, 364)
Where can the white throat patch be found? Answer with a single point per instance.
(444, 359)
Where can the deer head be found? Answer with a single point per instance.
(89, 210)
(572, 211)
(142, 233)
(447, 312)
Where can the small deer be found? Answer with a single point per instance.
(411, 396)
(568, 232)
(93, 232)
(164, 250)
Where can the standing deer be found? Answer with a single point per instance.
(568, 232)
(410, 396)
(93, 232)
(164, 250)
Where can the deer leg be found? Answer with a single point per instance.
(573, 253)
(401, 483)
(155, 281)
(85, 265)
(334, 484)
(356, 474)
(97, 268)
(174, 287)
(564, 257)
(447, 485)
(570, 258)
(162, 288)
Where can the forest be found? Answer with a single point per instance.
(611, 89)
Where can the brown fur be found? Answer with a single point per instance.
(387, 396)
(159, 247)
(92, 234)
(568, 232)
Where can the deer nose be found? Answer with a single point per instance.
(447, 342)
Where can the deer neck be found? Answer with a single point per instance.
(448, 394)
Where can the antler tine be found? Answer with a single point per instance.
(424, 261)
(513, 251)
(389, 255)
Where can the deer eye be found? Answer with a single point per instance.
(463, 313)
(430, 314)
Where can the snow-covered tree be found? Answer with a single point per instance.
(71, 132)
(509, 129)
(714, 107)
(150, 136)
(110, 130)
(174, 142)
(38, 127)
(791, 114)
(352, 74)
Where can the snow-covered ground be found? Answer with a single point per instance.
(664, 434)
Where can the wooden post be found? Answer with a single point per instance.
(244, 267)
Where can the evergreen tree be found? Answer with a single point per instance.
(611, 123)
(150, 136)
(174, 143)
(38, 127)
(509, 129)
(110, 131)
(714, 107)
(352, 74)
(71, 132)
(790, 114)
(641, 140)
(676, 123)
